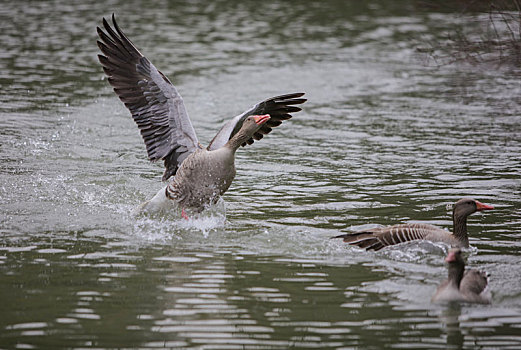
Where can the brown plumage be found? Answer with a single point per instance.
(462, 285)
(200, 175)
(378, 238)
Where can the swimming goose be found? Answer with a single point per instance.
(378, 238)
(200, 175)
(462, 285)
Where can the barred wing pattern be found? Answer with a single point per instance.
(378, 238)
(155, 105)
(279, 109)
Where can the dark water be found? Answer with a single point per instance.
(383, 139)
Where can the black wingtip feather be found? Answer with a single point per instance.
(273, 123)
(289, 96)
(265, 129)
(116, 23)
(292, 109)
(296, 101)
(105, 23)
(103, 60)
(115, 37)
(284, 116)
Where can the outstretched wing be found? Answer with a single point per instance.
(155, 105)
(378, 238)
(279, 109)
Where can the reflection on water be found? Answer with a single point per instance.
(382, 139)
(232, 298)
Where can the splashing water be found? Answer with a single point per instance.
(381, 141)
(167, 226)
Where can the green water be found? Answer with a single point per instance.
(383, 139)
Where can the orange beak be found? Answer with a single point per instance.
(261, 119)
(450, 257)
(480, 206)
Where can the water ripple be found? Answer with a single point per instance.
(382, 140)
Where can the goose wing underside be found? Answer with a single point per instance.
(279, 108)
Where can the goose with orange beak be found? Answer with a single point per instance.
(198, 175)
(462, 285)
(378, 238)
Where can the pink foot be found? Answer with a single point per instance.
(183, 214)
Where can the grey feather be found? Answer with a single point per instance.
(156, 106)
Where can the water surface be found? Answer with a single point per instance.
(383, 139)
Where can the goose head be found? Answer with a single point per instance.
(454, 257)
(466, 206)
(248, 130)
(254, 123)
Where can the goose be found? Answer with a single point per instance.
(378, 238)
(198, 176)
(462, 285)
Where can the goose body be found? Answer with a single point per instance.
(462, 285)
(197, 175)
(378, 238)
(202, 178)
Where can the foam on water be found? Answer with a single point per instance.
(168, 226)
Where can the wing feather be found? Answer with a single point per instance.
(378, 238)
(279, 109)
(156, 106)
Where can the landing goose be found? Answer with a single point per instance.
(378, 238)
(462, 285)
(200, 175)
